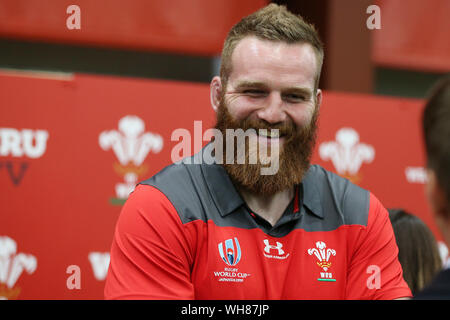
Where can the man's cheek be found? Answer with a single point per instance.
(241, 110)
(302, 115)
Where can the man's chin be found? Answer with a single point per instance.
(249, 177)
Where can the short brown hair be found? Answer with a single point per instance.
(436, 130)
(275, 23)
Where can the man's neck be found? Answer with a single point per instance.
(270, 207)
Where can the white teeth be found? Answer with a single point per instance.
(269, 133)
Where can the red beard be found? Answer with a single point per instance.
(294, 155)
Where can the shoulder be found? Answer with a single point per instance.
(173, 174)
(338, 195)
(183, 185)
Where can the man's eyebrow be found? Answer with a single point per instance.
(298, 90)
(250, 84)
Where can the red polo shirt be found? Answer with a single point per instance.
(187, 234)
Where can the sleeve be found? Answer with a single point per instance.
(374, 269)
(150, 253)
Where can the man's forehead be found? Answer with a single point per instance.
(255, 59)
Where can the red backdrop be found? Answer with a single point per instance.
(61, 183)
(194, 26)
(413, 35)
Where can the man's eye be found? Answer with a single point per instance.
(294, 97)
(254, 92)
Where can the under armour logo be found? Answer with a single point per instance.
(277, 247)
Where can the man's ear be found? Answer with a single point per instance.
(436, 196)
(215, 92)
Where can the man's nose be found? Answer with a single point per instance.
(272, 111)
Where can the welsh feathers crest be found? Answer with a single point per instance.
(130, 143)
(347, 154)
(323, 254)
(12, 265)
(131, 146)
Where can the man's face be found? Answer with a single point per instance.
(271, 86)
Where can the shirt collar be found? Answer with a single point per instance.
(312, 193)
(227, 198)
(223, 192)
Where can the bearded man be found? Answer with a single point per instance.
(225, 230)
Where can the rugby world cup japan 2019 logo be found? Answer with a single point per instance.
(230, 252)
(131, 145)
(347, 154)
(12, 265)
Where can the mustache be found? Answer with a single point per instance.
(286, 128)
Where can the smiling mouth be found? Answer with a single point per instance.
(269, 133)
(270, 136)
